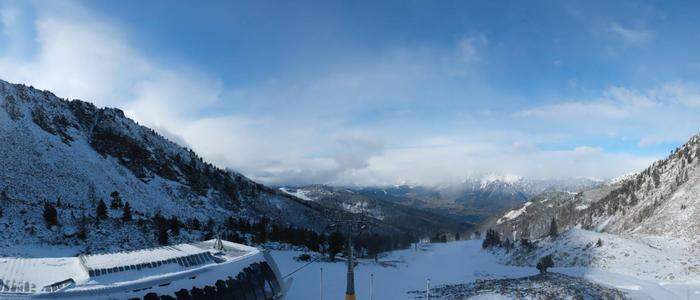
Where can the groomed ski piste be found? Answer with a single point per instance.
(201, 270)
(461, 262)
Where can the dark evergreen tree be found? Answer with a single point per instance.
(101, 211)
(553, 230)
(231, 223)
(209, 292)
(507, 244)
(151, 296)
(526, 244)
(209, 229)
(335, 244)
(82, 228)
(4, 197)
(50, 214)
(545, 263)
(116, 200)
(159, 220)
(197, 293)
(260, 229)
(183, 294)
(163, 237)
(126, 213)
(374, 246)
(174, 224)
(233, 236)
(322, 244)
(194, 224)
(492, 239)
(656, 177)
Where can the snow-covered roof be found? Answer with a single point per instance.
(50, 275)
(20, 275)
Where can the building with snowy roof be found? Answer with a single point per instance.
(211, 269)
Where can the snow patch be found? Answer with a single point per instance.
(514, 213)
(299, 193)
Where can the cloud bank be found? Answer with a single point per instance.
(417, 114)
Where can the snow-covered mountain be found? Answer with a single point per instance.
(404, 217)
(447, 208)
(72, 154)
(661, 200)
(475, 198)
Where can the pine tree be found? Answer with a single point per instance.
(101, 211)
(126, 214)
(194, 224)
(50, 215)
(526, 244)
(163, 235)
(335, 244)
(492, 239)
(261, 231)
(209, 229)
(545, 263)
(174, 225)
(82, 228)
(553, 230)
(116, 200)
(4, 197)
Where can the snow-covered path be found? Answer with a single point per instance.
(455, 262)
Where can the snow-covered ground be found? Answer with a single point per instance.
(453, 263)
(398, 272)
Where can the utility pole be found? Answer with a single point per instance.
(352, 225)
(371, 286)
(427, 289)
(321, 285)
(350, 288)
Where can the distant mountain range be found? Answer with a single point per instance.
(470, 202)
(398, 214)
(663, 199)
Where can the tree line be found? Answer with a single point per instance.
(238, 230)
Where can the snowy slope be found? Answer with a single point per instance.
(53, 149)
(646, 257)
(453, 263)
(663, 199)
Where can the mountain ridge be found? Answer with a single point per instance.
(72, 155)
(660, 200)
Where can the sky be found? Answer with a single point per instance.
(378, 92)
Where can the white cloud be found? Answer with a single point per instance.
(469, 48)
(681, 93)
(577, 109)
(663, 114)
(630, 35)
(452, 163)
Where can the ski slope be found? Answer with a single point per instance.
(398, 272)
(452, 263)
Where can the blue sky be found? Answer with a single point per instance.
(378, 92)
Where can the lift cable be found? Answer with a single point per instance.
(304, 266)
